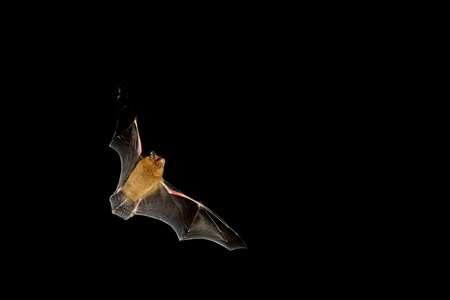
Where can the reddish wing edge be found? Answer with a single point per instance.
(189, 218)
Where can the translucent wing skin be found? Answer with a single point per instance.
(141, 194)
(190, 219)
(126, 140)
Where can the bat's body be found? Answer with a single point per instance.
(145, 179)
(142, 189)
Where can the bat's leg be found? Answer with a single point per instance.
(136, 207)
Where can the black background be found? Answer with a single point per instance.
(206, 105)
(239, 108)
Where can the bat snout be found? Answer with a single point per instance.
(160, 161)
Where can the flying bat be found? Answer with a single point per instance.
(142, 190)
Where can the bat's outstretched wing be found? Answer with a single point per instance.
(189, 218)
(143, 191)
(126, 140)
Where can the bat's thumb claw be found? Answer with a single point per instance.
(121, 90)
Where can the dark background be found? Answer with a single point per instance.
(241, 111)
(206, 105)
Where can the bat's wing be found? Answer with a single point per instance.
(189, 218)
(126, 140)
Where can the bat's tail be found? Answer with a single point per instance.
(122, 206)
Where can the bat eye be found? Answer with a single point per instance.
(152, 155)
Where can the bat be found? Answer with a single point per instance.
(142, 190)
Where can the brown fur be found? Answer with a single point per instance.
(144, 180)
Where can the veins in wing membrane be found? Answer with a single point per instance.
(175, 211)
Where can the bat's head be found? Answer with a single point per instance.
(155, 164)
